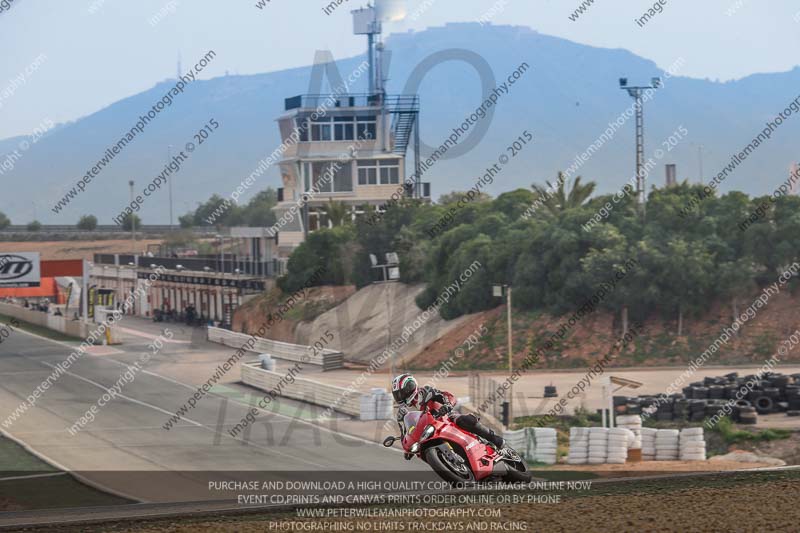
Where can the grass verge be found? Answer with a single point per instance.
(731, 435)
(28, 493)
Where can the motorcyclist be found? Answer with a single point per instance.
(407, 393)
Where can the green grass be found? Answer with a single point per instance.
(42, 492)
(731, 435)
(14, 458)
(38, 330)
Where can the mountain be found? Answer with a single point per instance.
(566, 98)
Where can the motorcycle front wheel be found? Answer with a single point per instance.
(450, 466)
(516, 469)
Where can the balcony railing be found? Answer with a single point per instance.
(396, 103)
(228, 264)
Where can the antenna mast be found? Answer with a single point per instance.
(365, 22)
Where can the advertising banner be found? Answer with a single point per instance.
(20, 269)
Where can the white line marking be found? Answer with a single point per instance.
(32, 476)
(150, 336)
(134, 400)
(193, 388)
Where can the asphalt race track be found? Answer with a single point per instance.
(127, 451)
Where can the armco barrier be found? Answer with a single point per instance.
(303, 389)
(328, 359)
(72, 328)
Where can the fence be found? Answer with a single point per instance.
(327, 359)
(364, 406)
(110, 228)
(227, 263)
(483, 389)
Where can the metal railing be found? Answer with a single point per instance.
(396, 103)
(109, 228)
(228, 264)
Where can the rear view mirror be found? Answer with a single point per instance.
(388, 441)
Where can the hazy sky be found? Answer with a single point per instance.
(91, 59)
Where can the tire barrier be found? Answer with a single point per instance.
(634, 424)
(611, 446)
(535, 444)
(667, 444)
(649, 444)
(752, 395)
(598, 446)
(545, 445)
(578, 446)
(518, 439)
(377, 405)
(692, 444)
(617, 446)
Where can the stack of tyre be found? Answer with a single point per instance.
(697, 410)
(692, 444)
(598, 446)
(627, 405)
(771, 393)
(578, 446)
(617, 447)
(666, 409)
(546, 442)
(667, 444)
(793, 398)
(744, 413)
(634, 424)
(649, 444)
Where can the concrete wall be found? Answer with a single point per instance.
(77, 329)
(327, 359)
(306, 390)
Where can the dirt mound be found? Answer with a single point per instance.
(360, 329)
(253, 314)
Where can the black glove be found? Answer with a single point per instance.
(427, 395)
(443, 410)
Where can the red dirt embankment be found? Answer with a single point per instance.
(251, 316)
(655, 344)
(358, 320)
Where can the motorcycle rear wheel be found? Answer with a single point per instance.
(448, 469)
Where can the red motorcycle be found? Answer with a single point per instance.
(456, 455)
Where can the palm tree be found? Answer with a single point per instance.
(338, 213)
(555, 198)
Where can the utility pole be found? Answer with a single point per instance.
(390, 272)
(510, 355)
(133, 221)
(169, 158)
(641, 175)
(499, 291)
(700, 158)
(389, 331)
